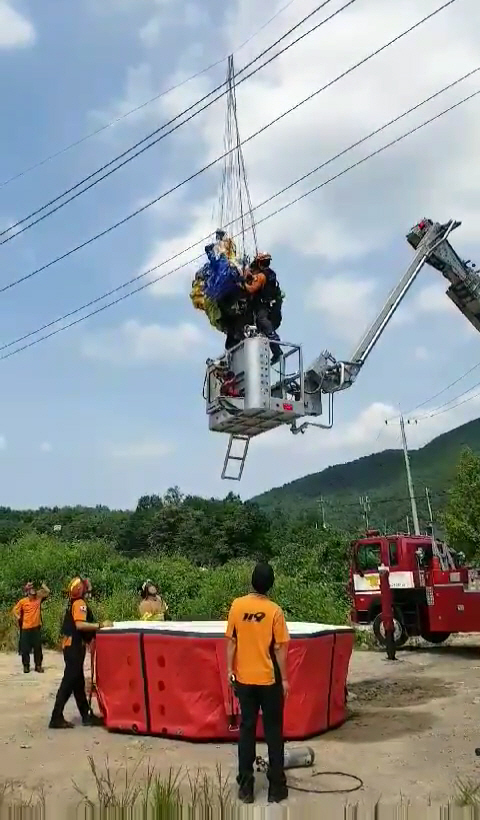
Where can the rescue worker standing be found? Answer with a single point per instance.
(28, 613)
(265, 299)
(78, 629)
(152, 606)
(257, 669)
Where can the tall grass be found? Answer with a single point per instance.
(191, 593)
(141, 791)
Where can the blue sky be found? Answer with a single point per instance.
(112, 409)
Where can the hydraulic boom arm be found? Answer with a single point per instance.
(430, 240)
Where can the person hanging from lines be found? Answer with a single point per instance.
(152, 606)
(218, 289)
(78, 629)
(28, 614)
(266, 299)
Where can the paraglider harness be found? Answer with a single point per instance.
(270, 296)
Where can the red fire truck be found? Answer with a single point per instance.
(434, 593)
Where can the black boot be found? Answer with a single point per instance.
(26, 669)
(60, 723)
(245, 795)
(277, 794)
(245, 789)
(92, 720)
(277, 786)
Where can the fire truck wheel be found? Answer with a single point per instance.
(400, 633)
(435, 637)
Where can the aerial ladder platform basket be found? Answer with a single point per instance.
(245, 396)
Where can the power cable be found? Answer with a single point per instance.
(444, 407)
(257, 207)
(382, 500)
(191, 261)
(144, 104)
(202, 170)
(440, 392)
(165, 125)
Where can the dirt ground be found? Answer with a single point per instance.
(412, 731)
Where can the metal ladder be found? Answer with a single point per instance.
(231, 460)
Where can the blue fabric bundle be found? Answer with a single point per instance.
(223, 277)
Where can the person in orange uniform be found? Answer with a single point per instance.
(265, 299)
(28, 613)
(78, 629)
(257, 669)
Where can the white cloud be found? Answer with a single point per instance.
(430, 172)
(150, 33)
(431, 304)
(199, 227)
(421, 353)
(141, 450)
(367, 433)
(16, 30)
(3, 443)
(344, 301)
(432, 300)
(134, 343)
(45, 447)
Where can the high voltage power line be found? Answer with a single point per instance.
(10, 233)
(333, 504)
(162, 136)
(146, 103)
(441, 392)
(444, 407)
(202, 170)
(195, 259)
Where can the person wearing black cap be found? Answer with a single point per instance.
(257, 669)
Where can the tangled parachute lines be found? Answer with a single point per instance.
(218, 279)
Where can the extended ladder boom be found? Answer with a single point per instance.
(430, 241)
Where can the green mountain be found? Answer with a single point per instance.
(381, 477)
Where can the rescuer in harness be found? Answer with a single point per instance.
(265, 300)
(78, 629)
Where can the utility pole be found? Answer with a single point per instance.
(416, 527)
(365, 505)
(430, 515)
(413, 503)
(322, 510)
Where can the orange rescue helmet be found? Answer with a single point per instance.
(76, 588)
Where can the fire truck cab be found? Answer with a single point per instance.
(434, 593)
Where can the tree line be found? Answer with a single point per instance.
(212, 532)
(200, 552)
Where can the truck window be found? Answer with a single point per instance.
(393, 553)
(368, 557)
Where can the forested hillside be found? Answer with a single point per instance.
(380, 476)
(201, 551)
